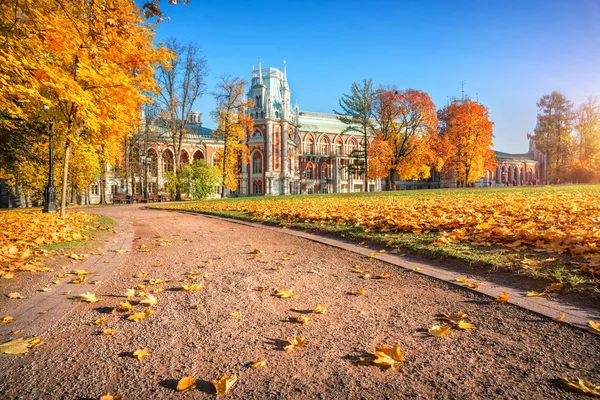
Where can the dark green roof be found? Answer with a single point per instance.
(507, 156)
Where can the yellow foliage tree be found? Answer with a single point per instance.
(89, 63)
(233, 125)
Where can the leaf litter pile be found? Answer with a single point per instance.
(553, 222)
(23, 232)
(250, 331)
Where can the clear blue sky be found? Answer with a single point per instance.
(509, 52)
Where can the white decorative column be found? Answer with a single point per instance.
(159, 171)
(269, 157)
(284, 160)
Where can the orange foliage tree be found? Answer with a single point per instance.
(82, 65)
(407, 122)
(467, 126)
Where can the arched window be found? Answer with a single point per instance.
(257, 163)
(168, 162)
(324, 145)
(338, 146)
(310, 171)
(153, 167)
(198, 155)
(184, 158)
(351, 144)
(309, 145)
(324, 171)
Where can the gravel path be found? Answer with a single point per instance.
(513, 353)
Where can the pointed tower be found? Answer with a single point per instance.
(258, 93)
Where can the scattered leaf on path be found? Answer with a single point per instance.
(439, 331)
(14, 295)
(580, 386)
(100, 321)
(258, 364)
(108, 332)
(533, 293)
(285, 293)
(235, 314)
(186, 383)
(6, 320)
(465, 326)
(140, 354)
(88, 297)
(224, 384)
(594, 325)
(295, 343)
(386, 357)
(560, 317)
(20, 345)
(503, 298)
(320, 308)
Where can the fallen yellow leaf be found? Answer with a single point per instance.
(462, 280)
(258, 364)
(385, 276)
(140, 354)
(6, 320)
(186, 383)
(14, 295)
(78, 272)
(465, 326)
(137, 317)
(417, 269)
(360, 292)
(129, 293)
(20, 345)
(88, 297)
(108, 396)
(235, 314)
(108, 332)
(373, 255)
(124, 306)
(320, 308)
(194, 287)
(79, 280)
(439, 331)
(560, 317)
(295, 343)
(285, 293)
(503, 298)
(150, 300)
(224, 384)
(100, 321)
(594, 325)
(386, 357)
(533, 293)
(301, 319)
(580, 386)
(455, 318)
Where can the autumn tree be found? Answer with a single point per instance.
(181, 82)
(357, 113)
(87, 62)
(586, 166)
(407, 122)
(553, 132)
(233, 125)
(466, 124)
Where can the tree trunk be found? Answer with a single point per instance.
(392, 179)
(102, 185)
(366, 169)
(63, 200)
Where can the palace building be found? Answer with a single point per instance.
(294, 152)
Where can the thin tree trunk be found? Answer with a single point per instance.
(102, 182)
(63, 200)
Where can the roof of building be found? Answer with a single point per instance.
(195, 132)
(507, 156)
(321, 122)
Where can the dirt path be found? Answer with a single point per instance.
(513, 354)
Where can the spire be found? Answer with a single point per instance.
(284, 73)
(260, 71)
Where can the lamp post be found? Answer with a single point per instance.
(50, 191)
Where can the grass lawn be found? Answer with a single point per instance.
(545, 232)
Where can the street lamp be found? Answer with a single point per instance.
(50, 191)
